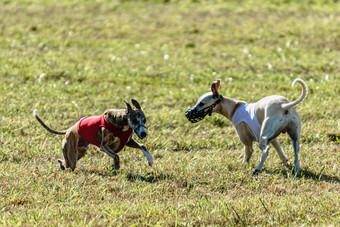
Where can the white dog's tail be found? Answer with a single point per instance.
(302, 96)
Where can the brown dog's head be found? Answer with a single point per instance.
(136, 118)
(205, 104)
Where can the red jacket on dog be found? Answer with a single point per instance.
(88, 127)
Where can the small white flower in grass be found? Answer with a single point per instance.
(113, 58)
(279, 49)
(214, 73)
(269, 66)
(183, 89)
(13, 43)
(128, 87)
(316, 135)
(288, 44)
(41, 77)
(67, 82)
(245, 51)
(311, 80)
(75, 104)
(317, 87)
(149, 68)
(143, 52)
(230, 79)
(137, 45)
(326, 77)
(166, 57)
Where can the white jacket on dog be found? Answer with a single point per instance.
(247, 113)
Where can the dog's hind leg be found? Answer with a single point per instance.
(258, 168)
(271, 127)
(69, 147)
(295, 137)
(280, 152)
(82, 148)
(132, 143)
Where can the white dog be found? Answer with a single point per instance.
(262, 121)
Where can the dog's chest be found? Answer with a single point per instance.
(247, 113)
(109, 139)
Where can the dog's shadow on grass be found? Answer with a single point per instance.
(150, 177)
(307, 175)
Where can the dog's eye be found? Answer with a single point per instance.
(201, 104)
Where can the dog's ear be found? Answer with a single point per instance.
(136, 104)
(214, 87)
(128, 106)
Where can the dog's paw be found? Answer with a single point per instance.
(297, 173)
(287, 164)
(256, 172)
(61, 164)
(149, 158)
(147, 155)
(150, 161)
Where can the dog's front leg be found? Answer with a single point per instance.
(132, 143)
(108, 150)
(113, 155)
(248, 151)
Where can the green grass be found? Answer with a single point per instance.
(94, 54)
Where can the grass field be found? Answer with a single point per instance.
(69, 59)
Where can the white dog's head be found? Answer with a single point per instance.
(205, 104)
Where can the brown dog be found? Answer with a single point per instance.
(110, 132)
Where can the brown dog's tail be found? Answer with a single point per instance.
(45, 126)
(302, 96)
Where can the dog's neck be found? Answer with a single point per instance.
(228, 107)
(117, 118)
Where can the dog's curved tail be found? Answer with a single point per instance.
(45, 126)
(303, 95)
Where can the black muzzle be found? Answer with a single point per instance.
(195, 116)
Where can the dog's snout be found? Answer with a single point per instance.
(193, 115)
(188, 113)
(143, 134)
